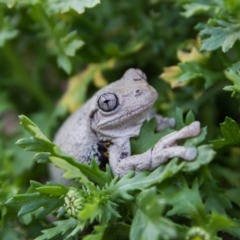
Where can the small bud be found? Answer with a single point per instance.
(197, 233)
(73, 202)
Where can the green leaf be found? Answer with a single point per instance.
(61, 228)
(219, 33)
(58, 6)
(7, 31)
(190, 117)
(58, 190)
(98, 233)
(221, 222)
(231, 135)
(140, 145)
(233, 195)
(232, 74)
(193, 70)
(214, 197)
(70, 170)
(119, 230)
(71, 44)
(98, 205)
(185, 201)
(205, 156)
(60, 42)
(195, 8)
(123, 188)
(30, 202)
(179, 118)
(64, 63)
(148, 222)
(235, 229)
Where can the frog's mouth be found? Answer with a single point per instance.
(141, 110)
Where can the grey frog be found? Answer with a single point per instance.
(101, 129)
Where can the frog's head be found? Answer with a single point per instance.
(121, 107)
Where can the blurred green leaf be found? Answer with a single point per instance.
(186, 201)
(148, 222)
(194, 8)
(232, 74)
(7, 31)
(193, 70)
(57, 6)
(215, 197)
(231, 134)
(30, 202)
(61, 228)
(219, 33)
(98, 233)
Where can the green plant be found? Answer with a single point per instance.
(194, 45)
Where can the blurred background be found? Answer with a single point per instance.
(54, 56)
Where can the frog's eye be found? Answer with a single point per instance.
(108, 102)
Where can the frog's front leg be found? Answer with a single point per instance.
(121, 162)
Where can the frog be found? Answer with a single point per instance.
(101, 129)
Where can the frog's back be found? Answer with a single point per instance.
(75, 136)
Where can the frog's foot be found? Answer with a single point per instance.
(171, 139)
(160, 156)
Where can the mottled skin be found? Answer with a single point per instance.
(101, 128)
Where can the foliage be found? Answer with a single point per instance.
(56, 54)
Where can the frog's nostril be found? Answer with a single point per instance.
(137, 92)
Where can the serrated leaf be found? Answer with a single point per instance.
(123, 188)
(185, 201)
(194, 8)
(61, 228)
(221, 222)
(34, 145)
(140, 145)
(235, 229)
(232, 74)
(90, 211)
(148, 222)
(42, 157)
(171, 75)
(233, 195)
(58, 6)
(30, 202)
(231, 134)
(32, 128)
(219, 33)
(214, 197)
(70, 170)
(193, 70)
